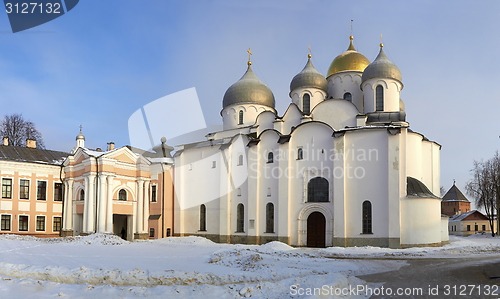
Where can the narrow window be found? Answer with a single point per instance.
(300, 154)
(151, 232)
(240, 160)
(203, 218)
(24, 190)
(122, 195)
(476, 227)
(40, 223)
(379, 98)
(484, 227)
(6, 188)
(238, 192)
(56, 227)
(317, 190)
(41, 193)
(214, 164)
(240, 118)
(270, 157)
(58, 192)
(6, 222)
(306, 104)
(82, 195)
(23, 223)
(169, 232)
(367, 217)
(269, 192)
(270, 218)
(240, 218)
(153, 193)
(348, 97)
(468, 228)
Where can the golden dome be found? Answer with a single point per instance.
(350, 60)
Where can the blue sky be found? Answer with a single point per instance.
(104, 60)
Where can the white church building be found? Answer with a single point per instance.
(340, 167)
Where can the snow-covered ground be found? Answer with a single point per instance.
(99, 266)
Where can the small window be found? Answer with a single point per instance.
(122, 195)
(269, 192)
(306, 103)
(6, 222)
(476, 227)
(240, 117)
(300, 153)
(214, 164)
(484, 227)
(151, 232)
(153, 193)
(41, 193)
(56, 227)
(82, 195)
(379, 98)
(367, 217)
(468, 228)
(270, 157)
(203, 218)
(270, 218)
(348, 97)
(238, 192)
(58, 192)
(40, 223)
(240, 160)
(24, 189)
(23, 223)
(169, 232)
(240, 218)
(6, 188)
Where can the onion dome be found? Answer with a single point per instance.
(80, 135)
(309, 77)
(382, 67)
(350, 60)
(248, 90)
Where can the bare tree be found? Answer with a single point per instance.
(485, 187)
(17, 129)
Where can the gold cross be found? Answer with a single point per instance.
(309, 50)
(81, 128)
(249, 53)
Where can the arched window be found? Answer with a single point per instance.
(306, 104)
(82, 195)
(240, 118)
(367, 217)
(240, 160)
(122, 194)
(317, 190)
(240, 218)
(269, 218)
(300, 154)
(203, 218)
(379, 98)
(348, 97)
(270, 157)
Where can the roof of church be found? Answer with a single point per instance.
(454, 194)
(382, 67)
(31, 155)
(415, 188)
(309, 77)
(350, 60)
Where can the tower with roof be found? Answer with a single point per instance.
(454, 202)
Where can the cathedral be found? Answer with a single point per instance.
(340, 167)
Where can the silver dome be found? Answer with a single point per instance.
(309, 77)
(248, 90)
(382, 67)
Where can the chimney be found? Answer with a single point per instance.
(111, 146)
(31, 143)
(6, 141)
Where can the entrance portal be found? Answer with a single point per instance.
(120, 226)
(316, 230)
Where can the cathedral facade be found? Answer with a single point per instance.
(340, 167)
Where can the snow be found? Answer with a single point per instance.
(103, 265)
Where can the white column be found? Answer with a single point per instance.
(109, 210)
(102, 205)
(140, 206)
(68, 204)
(146, 207)
(85, 204)
(90, 204)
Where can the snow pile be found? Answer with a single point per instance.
(96, 239)
(191, 240)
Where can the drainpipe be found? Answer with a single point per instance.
(63, 192)
(96, 193)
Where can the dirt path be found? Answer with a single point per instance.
(441, 278)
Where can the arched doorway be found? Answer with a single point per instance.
(316, 229)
